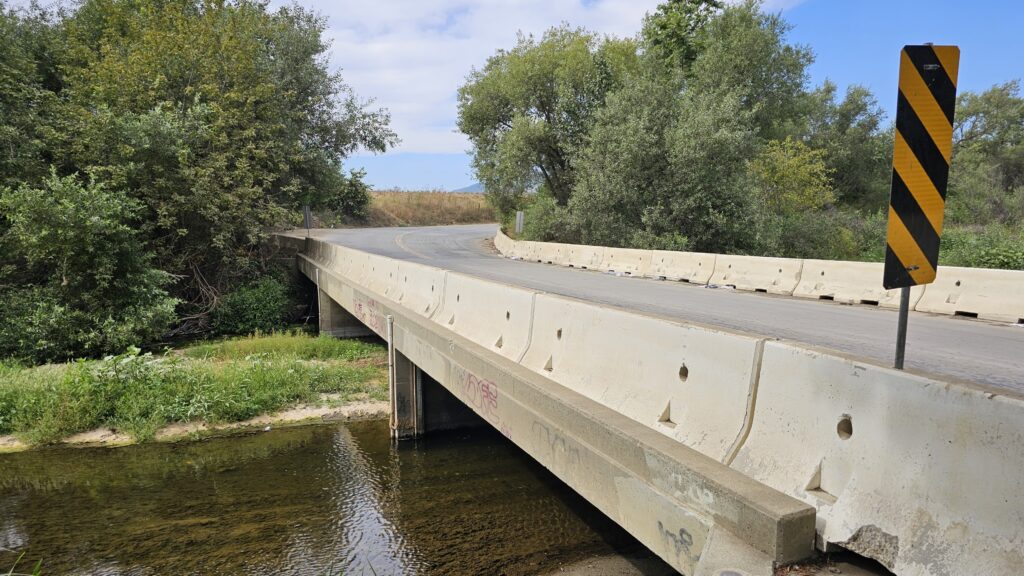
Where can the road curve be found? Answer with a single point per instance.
(983, 353)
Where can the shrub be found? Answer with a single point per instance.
(260, 306)
(78, 281)
(545, 220)
(993, 246)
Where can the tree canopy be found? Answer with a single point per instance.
(209, 122)
(712, 139)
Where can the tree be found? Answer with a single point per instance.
(27, 99)
(745, 55)
(529, 109)
(221, 118)
(80, 282)
(857, 151)
(675, 32)
(990, 126)
(792, 177)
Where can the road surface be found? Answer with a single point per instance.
(983, 353)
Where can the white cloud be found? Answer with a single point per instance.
(410, 56)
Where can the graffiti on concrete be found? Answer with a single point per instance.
(556, 443)
(482, 395)
(369, 312)
(680, 541)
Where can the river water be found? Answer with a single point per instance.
(330, 499)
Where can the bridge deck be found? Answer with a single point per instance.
(969, 350)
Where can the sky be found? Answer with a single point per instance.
(410, 56)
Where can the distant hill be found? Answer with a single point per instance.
(475, 187)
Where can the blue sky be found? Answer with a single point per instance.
(411, 55)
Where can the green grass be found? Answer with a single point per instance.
(220, 382)
(290, 343)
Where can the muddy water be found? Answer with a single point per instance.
(338, 499)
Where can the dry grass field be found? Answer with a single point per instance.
(399, 208)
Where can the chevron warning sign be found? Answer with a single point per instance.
(920, 164)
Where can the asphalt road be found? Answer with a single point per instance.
(979, 352)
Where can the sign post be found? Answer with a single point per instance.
(920, 171)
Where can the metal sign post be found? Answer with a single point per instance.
(920, 170)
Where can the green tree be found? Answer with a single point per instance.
(858, 150)
(745, 54)
(80, 282)
(27, 98)
(529, 109)
(675, 32)
(792, 177)
(221, 118)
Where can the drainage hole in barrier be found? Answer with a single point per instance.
(684, 373)
(870, 302)
(965, 314)
(507, 315)
(957, 282)
(822, 272)
(826, 297)
(458, 297)
(1020, 321)
(845, 427)
(558, 334)
(761, 290)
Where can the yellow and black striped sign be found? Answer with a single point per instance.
(920, 164)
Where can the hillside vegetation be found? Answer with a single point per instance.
(704, 134)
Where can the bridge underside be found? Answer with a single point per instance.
(699, 515)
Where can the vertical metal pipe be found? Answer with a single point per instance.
(392, 374)
(901, 329)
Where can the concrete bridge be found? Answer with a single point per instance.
(729, 432)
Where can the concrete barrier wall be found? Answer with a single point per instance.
(996, 295)
(988, 294)
(922, 475)
(586, 257)
(420, 288)
(849, 283)
(692, 267)
(772, 275)
(687, 382)
(626, 261)
(549, 252)
(496, 316)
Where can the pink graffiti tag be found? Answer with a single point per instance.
(369, 313)
(482, 395)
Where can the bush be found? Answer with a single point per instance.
(993, 246)
(261, 306)
(544, 220)
(78, 281)
(39, 327)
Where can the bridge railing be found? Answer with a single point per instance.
(996, 295)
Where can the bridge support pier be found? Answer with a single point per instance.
(420, 404)
(405, 389)
(336, 321)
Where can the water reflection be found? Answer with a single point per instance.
(312, 500)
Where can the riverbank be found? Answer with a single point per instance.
(234, 384)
